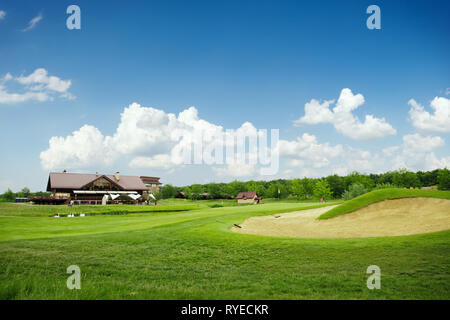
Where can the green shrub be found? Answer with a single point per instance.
(380, 186)
(215, 205)
(354, 190)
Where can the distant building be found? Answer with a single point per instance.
(430, 188)
(248, 197)
(180, 195)
(152, 183)
(91, 188)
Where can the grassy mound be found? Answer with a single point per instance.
(380, 195)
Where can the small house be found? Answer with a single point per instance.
(248, 198)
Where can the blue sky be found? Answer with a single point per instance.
(235, 61)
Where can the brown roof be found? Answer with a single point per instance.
(76, 181)
(153, 180)
(246, 195)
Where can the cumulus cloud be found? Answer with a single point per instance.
(33, 22)
(151, 137)
(306, 156)
(236, 170)
(160, 161)
(343, 119)
(6, 97)
(84, 148)
(2, 14)
(37, 86)
(390, 151)
(439, 121)
(417, 152)
(306, 148)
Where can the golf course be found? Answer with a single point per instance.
(186, 249)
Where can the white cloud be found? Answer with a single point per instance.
(38, 86)
(235, 170)
(343, 120)
(8, 76)
(417, 153)
(162, 161)
(307, 148)
(152, 137)
(316, 112)
(390, 151)
(41, 78)
(33, 22)
(313, 159)
(432, 162)
(439, 121)
(2, 14)
(415, 144)
(84, 148)
(6, 97)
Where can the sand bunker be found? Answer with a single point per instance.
(385, 218)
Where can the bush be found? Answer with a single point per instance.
(384, 186)
(322, 189)
(8, 196)
(444, 179)
(354, 190)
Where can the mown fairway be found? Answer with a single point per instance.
(193, 255)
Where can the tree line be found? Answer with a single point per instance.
(10, 196)
(330, 187)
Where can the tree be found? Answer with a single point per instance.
(187, 192)
(214, 191)
(168, 191)
(337, 185)
(272, 191)
(354, 190)
(356, 177)
(322, 189)
(308, 185)
(405, 178)
(26, 192)
(197, 189)
(9, 196)
(233, 188)
(297, 188)
(260, 189)
(444, 179)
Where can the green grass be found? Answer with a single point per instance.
(194, 255)
(21, 209)
(380, 195)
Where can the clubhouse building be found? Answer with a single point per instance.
(97, 188)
